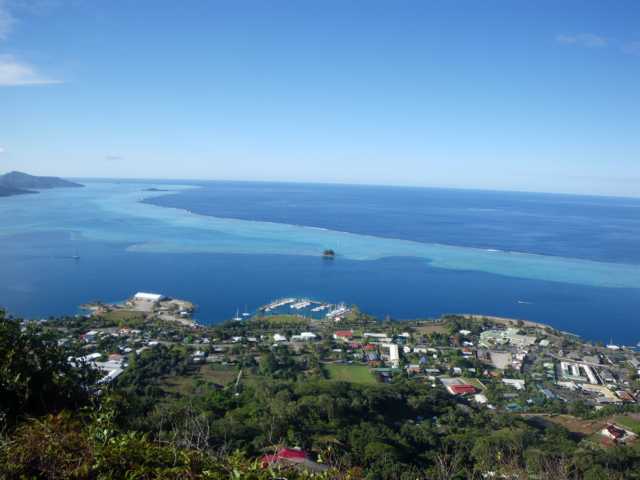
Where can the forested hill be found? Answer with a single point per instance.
(14, 183)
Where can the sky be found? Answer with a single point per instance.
(515, 95)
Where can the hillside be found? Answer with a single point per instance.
(22, 181)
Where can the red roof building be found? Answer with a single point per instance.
(462, 389)
(343, 334)
(615, 432)
(292, 455)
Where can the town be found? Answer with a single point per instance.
(501, 365)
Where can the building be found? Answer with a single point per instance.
(510, 336)
(514, 382)
(148, 297)
(279, 338)
(292, 456)
(394, 354)
(90, 336)
(344, 335)
(480, 398)
(617, 433)
(462, 389)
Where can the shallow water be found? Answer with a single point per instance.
(227, 263)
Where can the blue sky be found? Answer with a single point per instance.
(519, 95)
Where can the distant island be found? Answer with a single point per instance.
(17, 183)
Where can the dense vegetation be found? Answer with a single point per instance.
(57, 424)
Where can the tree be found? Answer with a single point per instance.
(35, 374)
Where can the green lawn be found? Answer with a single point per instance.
(282, 320)
(350, 373)
(124, 316)
(628, 422)
(185, 385)
(473, 381)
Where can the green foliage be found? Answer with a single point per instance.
(35, 375)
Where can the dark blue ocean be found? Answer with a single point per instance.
(39, 278)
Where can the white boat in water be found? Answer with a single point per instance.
(340, 310)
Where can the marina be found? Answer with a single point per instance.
(304, 307)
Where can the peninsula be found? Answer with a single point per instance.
(17, 183)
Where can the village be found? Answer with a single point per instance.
(501, 365)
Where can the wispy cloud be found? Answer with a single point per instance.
(6, 20)
(2, 150)
(14, 73)
(113, 158)
(588, 40)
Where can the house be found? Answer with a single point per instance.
(308, 336)
(197, 356)
(292, 456)
(413, 368)
(480, 398)
(462, 389)
(90, 336)
(279, 338)
(344, 335)
(514, 382)
(92, 357)
(616, 433)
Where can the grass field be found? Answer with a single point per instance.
(281, 320)
(123, 316)
(190, 384)
(630, 422)
(350, 373)
(432, 327)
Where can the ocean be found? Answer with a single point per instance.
(570, 261)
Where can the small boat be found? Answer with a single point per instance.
(237, 318)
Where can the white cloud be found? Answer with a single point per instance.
(2, 150)
(583, 39)
(16, 73)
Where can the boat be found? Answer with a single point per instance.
(237, 318)
(339, 310)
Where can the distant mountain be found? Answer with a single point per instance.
(7, 191)
(24, 182)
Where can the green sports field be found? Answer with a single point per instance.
(350, 373)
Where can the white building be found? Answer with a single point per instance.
(279, 338)
(394, 354)
(148, 297)
(514, 382)
(480, 398)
